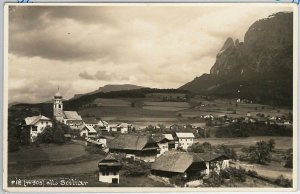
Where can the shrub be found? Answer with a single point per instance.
(136, 168)
(178, 180)
(252, 173)
(289, 159)
(284, 182)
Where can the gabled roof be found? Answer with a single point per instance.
(169, 136)
(130, 142)
(89, 128)
(72, 115)
(33, 120)
(123, 125)
(209, 156)
(109, 160)
(174, 161)
(185, 135)
(159, 138)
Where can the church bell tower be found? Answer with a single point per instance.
(58, 106)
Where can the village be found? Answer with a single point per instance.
(177, 154)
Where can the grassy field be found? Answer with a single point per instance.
(111, 102)
(280, 142)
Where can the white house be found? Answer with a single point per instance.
(173, 144)
(185, 140)
(36, 125)
(109, 169)
(162, 142)
(122, 127)
(88, 132)
(100, 141)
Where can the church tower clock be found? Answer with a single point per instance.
(58, 107)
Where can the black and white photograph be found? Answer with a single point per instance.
(121, 97)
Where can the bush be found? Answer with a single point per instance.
(136, 168)
(289, 159)
(284, 182)
(178, 180)
(252, 173)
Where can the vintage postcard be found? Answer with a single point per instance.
(150, 97)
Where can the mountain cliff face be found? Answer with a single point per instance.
(261, 67)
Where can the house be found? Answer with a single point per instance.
(36, 125)
(99, 141)
(195, 165)
(70, 118)
(198, 125)
(214, 162)
(162, 142)
(185, 139)
(88, 132)
(121, 127)
(109, 169)
(103, 125)
(90, 121)
(141, 147)
(73, 119)
(173, 142)
(173, 163)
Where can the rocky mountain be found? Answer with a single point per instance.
(258, 69)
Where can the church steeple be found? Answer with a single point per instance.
(58, 105)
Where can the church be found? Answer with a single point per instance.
(70, 118)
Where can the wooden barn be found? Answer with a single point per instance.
(139, 146)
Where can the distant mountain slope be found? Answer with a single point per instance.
(259, 69)
(112, 88)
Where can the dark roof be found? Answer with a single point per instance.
(90, 120)
(174, 161)
(130, 142)
(159, 138)
(109, 160)
(209, 156)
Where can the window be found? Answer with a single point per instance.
(103, 173)
(46, 122)
(42, 122)
(115, 173)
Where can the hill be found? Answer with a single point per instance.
(259, 69)
(111, 88)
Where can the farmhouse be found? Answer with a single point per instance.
(88, 132)
(138, 146)
(214, 162)
(70, 118)
(162, 142)
(193, 166)
(185, 139)
(36, 125)
(173, 163)
(109, 169)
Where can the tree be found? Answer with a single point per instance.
(289, 158)
(196, 147)
(260, 153)
(46, 136)
(58, 136)
(25, 137)
(271, 144)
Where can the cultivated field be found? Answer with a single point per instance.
(280, 142)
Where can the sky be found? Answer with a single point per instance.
(81, 48)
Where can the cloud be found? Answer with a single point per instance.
(154, 46)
